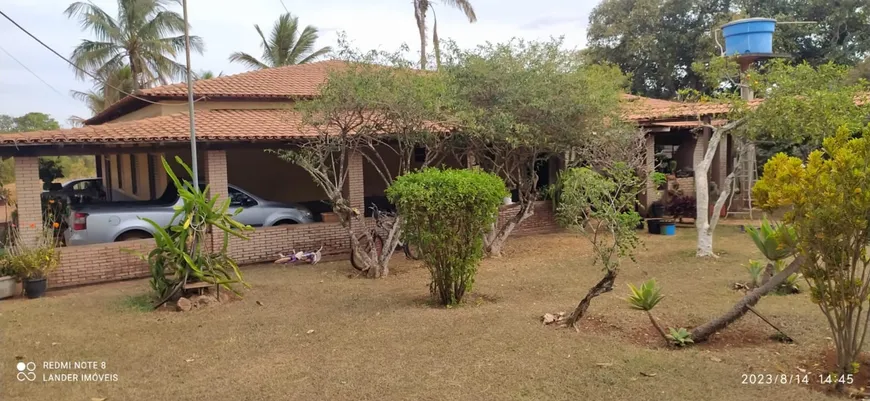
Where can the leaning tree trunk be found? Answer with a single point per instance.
(603, 286)
(494, 241)
(703, 332)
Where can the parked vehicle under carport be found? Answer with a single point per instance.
(96, 223)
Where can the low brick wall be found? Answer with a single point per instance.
(99, 263)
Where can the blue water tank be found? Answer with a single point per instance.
(751, 35)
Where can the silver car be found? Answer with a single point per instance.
(120, 221)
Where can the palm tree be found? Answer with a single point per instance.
(207, 74)
(136, 37)
(422, 8)
(109, 88)
(285, 46)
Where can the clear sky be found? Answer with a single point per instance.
(227, 26)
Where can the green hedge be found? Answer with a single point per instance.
(446, 213)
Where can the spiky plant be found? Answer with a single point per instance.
(679, 337)
(775, 241)
(645, 298)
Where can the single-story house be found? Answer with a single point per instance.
(237, 117)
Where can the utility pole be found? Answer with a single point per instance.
(193, 164)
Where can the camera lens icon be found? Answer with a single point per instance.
(26, 371)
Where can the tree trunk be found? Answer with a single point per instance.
(658, 326)
(603, 286)
(494, 240)
(420, 16)
(704, 224)
(703, 332)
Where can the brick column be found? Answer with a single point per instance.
(215, 169)
(355, 189)
(651, 194)
(28, 188)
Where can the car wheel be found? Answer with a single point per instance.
(133, 235)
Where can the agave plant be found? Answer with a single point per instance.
(775, 241)
(756, 272)
(680, 337)
(646, 298)
(182, 253)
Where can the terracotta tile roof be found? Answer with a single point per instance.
(302, 80)
(211, 125)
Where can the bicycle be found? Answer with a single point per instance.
(383, 222)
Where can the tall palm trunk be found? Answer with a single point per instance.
(134, 71)
(420, 16)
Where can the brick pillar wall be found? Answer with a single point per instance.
(355, 189)
(28, 188)
(216, 172)
(651, 194)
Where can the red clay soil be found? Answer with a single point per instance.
(731, 337)
(819, 366)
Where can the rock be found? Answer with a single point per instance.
(203, 300)
(260, 303)
(224, 296)
(183, 305)
(309, 332)
(714, 359)
(549, 318)
(604, 364)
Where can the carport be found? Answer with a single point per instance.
(231, 146)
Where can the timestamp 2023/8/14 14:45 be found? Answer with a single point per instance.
(804, 378)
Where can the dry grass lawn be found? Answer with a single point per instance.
(380, 340)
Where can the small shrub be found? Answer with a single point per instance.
(659, 179)
(680, 337)
(446, 213)
(683, 206)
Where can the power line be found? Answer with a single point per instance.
(94, 77)
(285, 7)
(31, 72)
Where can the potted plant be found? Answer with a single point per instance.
(8, 281)
(33, 260)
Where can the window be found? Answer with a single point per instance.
(120, 163)
(134, 179)
(240, 199)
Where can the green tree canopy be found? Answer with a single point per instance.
(656, 41)
(138, 37)
(33, 121)
(285, 46)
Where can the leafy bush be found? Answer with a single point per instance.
(446, 213)
(826, 200)
(683, 206)
(32, 259)
(182, 253)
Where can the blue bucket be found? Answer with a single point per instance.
(668, 228)
(751, 35)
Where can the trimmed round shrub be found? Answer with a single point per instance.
(446, 213)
